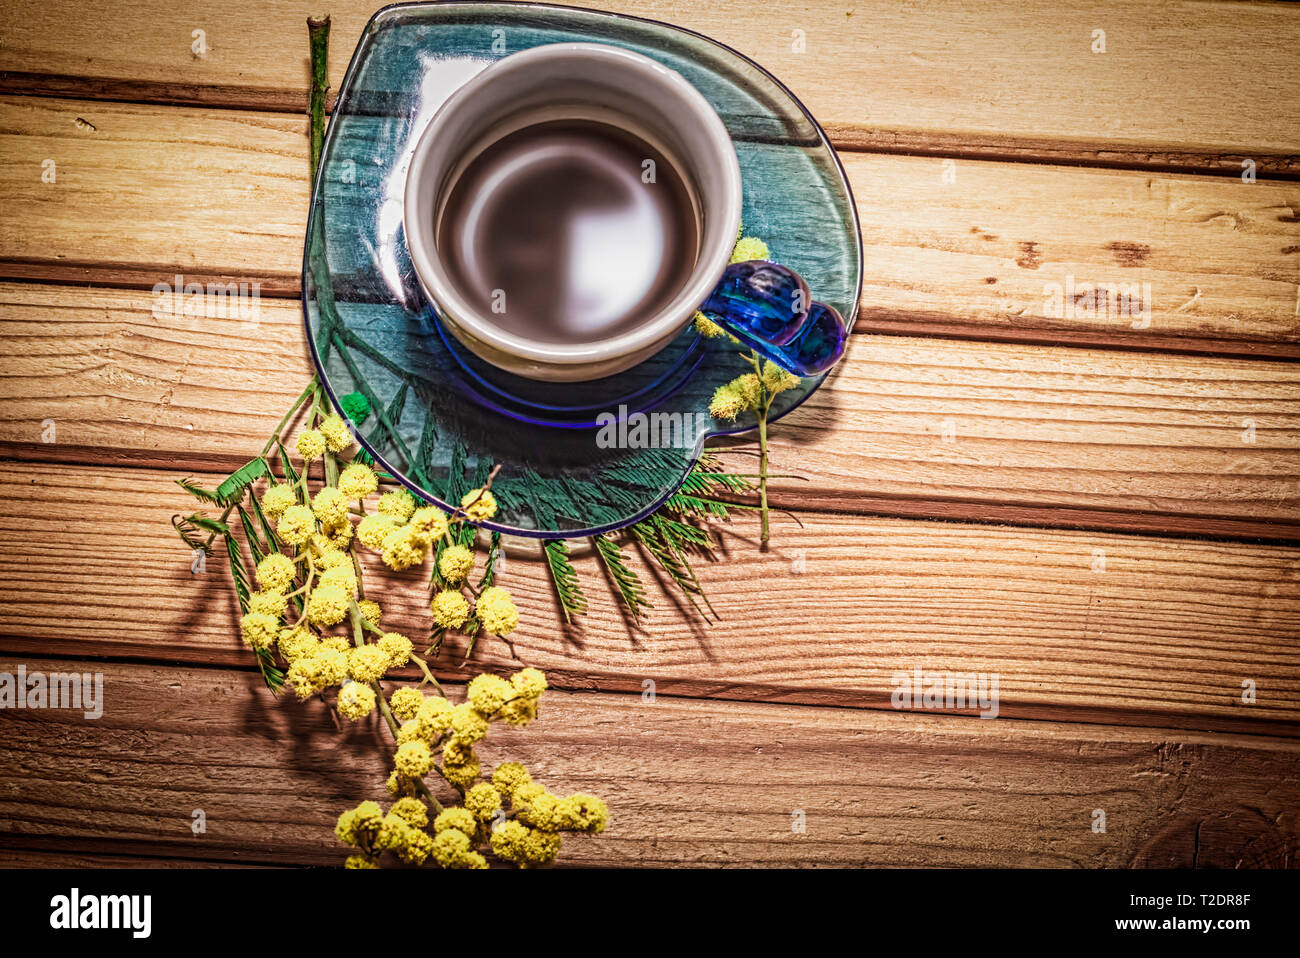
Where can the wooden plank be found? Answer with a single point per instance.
(204, 192)
(914, 427)
(981, 78)
(1088, 627)
(1005, 251)
(688, 782)
(54, 854)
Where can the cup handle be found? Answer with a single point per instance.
(767, 306)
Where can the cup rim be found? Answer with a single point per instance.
(708, 267)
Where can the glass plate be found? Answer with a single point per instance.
(440, 418)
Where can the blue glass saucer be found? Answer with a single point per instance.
(441, 418)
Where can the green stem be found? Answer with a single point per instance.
(318, 31)
(762, 473)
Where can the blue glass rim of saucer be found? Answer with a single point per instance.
(542, 491)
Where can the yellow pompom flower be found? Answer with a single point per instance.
(405, 703)
(540, 848)
(741, 394)
(331, 667)
(479, 504)
(530, 683)
(429, 523)
(750, 389)
(413, 759)
(507, 841)
(259, 629)
(399, 784)
(412, 811)
(458, 818)
(358, 481)
(327, 605)
(397, 505)
(707, 327)
(359, 862)
(726, 403)
(338, 643)
(408, 731)
(450, 848)
(401, 549)
(525, 794)
(370, 611)
(339, 577)
(368, 816)
(515, 842)
(275, 571)
(541, 812)
(467, 726)
(510, 777)
(750, 248)
(296, 525)
(434, 716)
(276, 499)
(336, 537)
(306, 674)
(455, 563)
(367, 663)
(519, 711)
(777, 380)
(396, 648)
(582, 813)
(272, 602)
(450, 610)
(418, 847)
(330, 507)
(311, 445)
(496, 611)
(460, 766)
(335, 431)
(356, 701)
(393, 835)
(373, 529)
(345, 829)
(295, 643)
(483, 801)
(330, 558)
(486, 693)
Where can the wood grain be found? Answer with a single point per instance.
(1089, 627)
(978, 78)
(915, 427)
(1005, 251)
(695, 783)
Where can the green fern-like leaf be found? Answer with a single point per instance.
(250, 533)
(624, 577)
(198, 492)
(232, 489)
(493, 557)
(290, 473)
(208, 524)
(649, 535)
(271, 675)
(190, 534)
(564, 578)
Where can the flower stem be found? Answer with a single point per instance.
(318, 32)
(762, 473)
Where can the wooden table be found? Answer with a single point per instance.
(1102, 510)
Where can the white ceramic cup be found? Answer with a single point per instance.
(574, 81)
